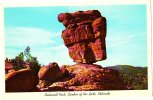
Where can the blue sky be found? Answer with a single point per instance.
(39, 28)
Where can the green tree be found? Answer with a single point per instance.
(27, 53)
(34, 64)
(21, 58)
(18, 61)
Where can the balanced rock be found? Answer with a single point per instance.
(84, 35)
(23, 80)
(87, 77)
(50, 72)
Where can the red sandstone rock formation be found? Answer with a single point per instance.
(84, 35)
(50, 72)
(8, 66)
(85, 38)
(86, 77)
(21, 81)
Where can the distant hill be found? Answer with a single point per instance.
(133, 77)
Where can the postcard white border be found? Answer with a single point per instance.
(40, 95)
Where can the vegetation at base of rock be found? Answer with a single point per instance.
(24, 60)
(84, 36)
(132, 77)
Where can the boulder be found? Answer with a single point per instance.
(84, 35)
(87, 77)
(8, 66)
(50, 72)
(23, 80)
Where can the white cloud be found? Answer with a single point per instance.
(45, 45)
(24, 36)
(49, 47)
(130, 48)
(57, 54)
(115, 40)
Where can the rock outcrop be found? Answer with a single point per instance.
(86, 77)
(50, 72)
(24, 80)
(8, 66)
(85, 38)
(84, 35)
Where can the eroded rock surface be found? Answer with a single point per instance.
(50, 72)
(84, 35)
(86, 77)
(24, 80)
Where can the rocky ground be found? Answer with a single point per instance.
(84, 36)
(79, 77)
